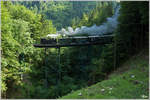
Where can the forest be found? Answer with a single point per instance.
(24, 23)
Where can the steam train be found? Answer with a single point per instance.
(77, 39)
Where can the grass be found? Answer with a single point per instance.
(131, 81)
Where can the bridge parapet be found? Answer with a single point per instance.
(75, 41)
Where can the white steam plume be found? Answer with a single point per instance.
(108, 27)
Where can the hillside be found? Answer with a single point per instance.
(32, 72)
(128, 82)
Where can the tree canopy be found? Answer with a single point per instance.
(24, 23)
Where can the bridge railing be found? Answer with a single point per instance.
(75, 41)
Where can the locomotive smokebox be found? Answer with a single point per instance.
(48, 41)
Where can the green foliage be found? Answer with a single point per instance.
(61, 13)
(25, 68)
(98, 57)
(18, 53)
(121, 84)
(96, 16)
(132, 32)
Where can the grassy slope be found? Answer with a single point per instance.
(129, 81)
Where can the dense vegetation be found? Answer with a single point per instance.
(60, 12)
(133, 32)
(127, 82)
(24, 67)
